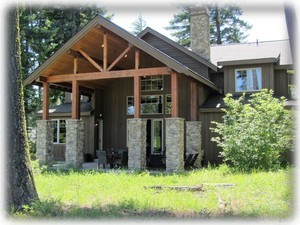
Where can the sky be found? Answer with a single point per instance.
(268, 21)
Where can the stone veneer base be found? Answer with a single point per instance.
(193, 140)
(44, 142)
(174, 144)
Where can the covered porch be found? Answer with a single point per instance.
(105, 62)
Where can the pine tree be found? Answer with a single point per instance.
(225, 25)
(138, 25)
(20, 188)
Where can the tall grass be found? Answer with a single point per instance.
(122, 194)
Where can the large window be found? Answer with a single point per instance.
(168, 105)
(248, 79)
(59, 133)
(150, 104)
(152, 83)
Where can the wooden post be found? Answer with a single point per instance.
(75, 93)
(174, 94)
(194, 102)
(75, 100)
(137, 59)
(105, 48)
(137, 97)
(46, 100)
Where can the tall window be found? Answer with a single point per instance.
(248, 79)
(152, 83)
(59, 132)
(168, 105)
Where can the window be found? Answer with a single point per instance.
(152, 83)
(248, 79)
(150, 104)
(59, 133)
(168, 105)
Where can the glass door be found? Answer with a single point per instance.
(157, 136)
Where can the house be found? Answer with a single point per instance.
(147, 93)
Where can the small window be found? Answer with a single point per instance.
(59, 132)
(152, 83)
(150, 104)
(168, 106)
(248, 79)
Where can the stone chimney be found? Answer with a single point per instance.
(200, 31)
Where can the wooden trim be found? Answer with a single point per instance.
(137, 59)
(85, 55)
(119, 57)
(137, 97)
(75, 70)
(105, 50)
(108, 74)
(194, 102)
(174, 94)
(75, 100)
(46, 100)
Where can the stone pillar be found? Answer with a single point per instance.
(174, 144)
(193, 140)
(44, 142)
(137, 144)
(75, 138)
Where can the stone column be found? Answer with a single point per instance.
(75, 138)
(193, 140)
(174, 144)
(137, 144)
(44, 142)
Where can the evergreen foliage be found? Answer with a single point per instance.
(138, 25)
(226, 26)
(255, 134)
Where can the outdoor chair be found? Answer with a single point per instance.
(188, 160)
(192, 162)
(101, 159)
(124, 159)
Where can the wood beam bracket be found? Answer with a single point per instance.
(85, 55)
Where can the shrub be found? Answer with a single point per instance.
(255, 133)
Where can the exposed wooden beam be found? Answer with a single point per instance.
(119, 57)
(105, 50)
(137, 97)
(75, 100)
(46, 90)
(85, 55)
(137, 59)
(75, 69)
(194, 101)
(174, 94)
(108, 74)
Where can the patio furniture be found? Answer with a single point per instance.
(101, 158)
(192, 162)
(124, 159)
(187, 161)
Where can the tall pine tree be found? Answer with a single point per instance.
(226, 26)
(138, 25)
(20, 187)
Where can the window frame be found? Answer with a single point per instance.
(248, 79)
(58, 131)
(159, 113)
(151, 85)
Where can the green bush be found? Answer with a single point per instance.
(254, 133)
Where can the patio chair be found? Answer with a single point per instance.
(101, 159)
(192, 162)
(124, 159)
(188, 160)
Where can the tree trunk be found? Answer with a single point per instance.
(20, 187)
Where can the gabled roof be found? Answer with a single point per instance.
(137, 42)
(255, 52)
(184, 50)
(66, 108)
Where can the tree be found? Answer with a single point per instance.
(256, 133)
(225, 25)
(138, 25)
(21, 188)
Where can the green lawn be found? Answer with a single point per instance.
(118, 194)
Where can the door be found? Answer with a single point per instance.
(155, 143)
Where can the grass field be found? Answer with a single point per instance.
(119, 194)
